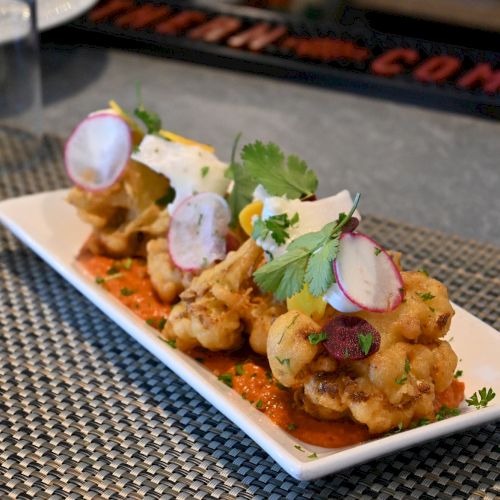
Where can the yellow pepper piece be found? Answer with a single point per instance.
(306, 303)
(246, 214)
(170, 136)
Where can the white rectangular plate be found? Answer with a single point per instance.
(50, 227)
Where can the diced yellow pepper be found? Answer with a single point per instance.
(170, 136)
(306, 303)
(246, 214)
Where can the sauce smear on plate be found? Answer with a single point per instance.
(244, 371)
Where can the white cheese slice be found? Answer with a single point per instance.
(190, 169)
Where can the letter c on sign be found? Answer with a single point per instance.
(393, 61)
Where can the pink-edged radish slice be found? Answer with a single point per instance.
(198, 229)
(97, 151)
(366, 275)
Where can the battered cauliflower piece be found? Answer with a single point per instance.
(424, 316)
(221, 304)
(124, 216)
(394, 386)
(168, 280)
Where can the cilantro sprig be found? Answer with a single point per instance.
(307, 260)
(150, 119)
(481, 401)
(266, 164)
(276, 226)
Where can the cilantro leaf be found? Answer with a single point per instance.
(242, 193)
(276, 225)
(316, 338)
(404, 377)
(284, 275)
(481, 401)
(365, 342)
(319, 272)
(266, 164)
(307, 260)
(150, 119)
(167, 198)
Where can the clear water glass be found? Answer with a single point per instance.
(20, 85)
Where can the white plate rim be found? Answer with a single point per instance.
(220, 396)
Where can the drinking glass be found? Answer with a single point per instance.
(20, 87)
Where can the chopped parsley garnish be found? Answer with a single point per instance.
(291, 426)
(204, 170)
(100, 280)
(365, 342)
(481, 401)
(298, 447)
(276, 226)
(284, 361)
(377, 251)
(316, 338)
(308, 259)
(313, 456)
(162, 323)
(258, 404)
(127, 264)
(445, 412)
(227, 378)
(151, 321)
(458, 374)
(167, 198)
(172, 343)
(425, 296)
(401, 380)
(112, 270)
(127, 292)
(239, 369)
(420, 423)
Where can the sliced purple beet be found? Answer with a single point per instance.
(347, 335)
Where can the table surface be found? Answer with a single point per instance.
(420, 166)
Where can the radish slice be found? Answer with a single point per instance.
(198, 229)
(366, 275)
(97, 151)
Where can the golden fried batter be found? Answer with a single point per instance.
(167, 280)
(221, 304)
(124, 216)
(394, 386)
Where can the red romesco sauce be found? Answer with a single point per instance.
(246, 372)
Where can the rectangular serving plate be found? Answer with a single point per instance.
(48, 225)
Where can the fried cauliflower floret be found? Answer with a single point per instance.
(394, 386)
(424, 316)
(124, 216)
(221, 304)
(288, 349)
(167, 280)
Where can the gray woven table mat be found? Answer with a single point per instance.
(88, 413)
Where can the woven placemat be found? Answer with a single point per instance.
(88, 413)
